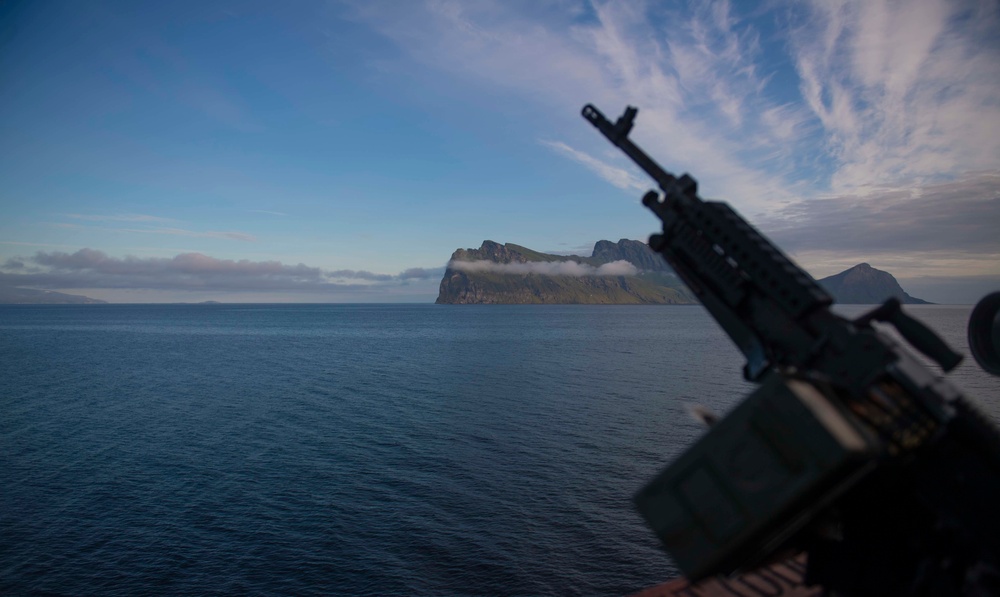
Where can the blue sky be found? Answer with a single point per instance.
(341, 151)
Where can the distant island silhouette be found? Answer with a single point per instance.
(865, 285)
(12, 295)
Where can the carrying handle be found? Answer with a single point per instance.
(917, 334)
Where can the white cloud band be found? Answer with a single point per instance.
(547, 268)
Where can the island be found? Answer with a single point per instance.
(628, 272)
(865, 285)
(12, 295)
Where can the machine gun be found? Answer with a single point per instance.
(850, 449)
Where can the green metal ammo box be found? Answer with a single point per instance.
(755, 477)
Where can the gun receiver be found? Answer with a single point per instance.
(847, 425)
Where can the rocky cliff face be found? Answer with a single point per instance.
(633, 251)
(863, 284)
(497, 253)
(491, 251)
(512, 274)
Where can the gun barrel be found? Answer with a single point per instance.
(618, 134)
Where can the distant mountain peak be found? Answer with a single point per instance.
(864, 284)
(635, 252)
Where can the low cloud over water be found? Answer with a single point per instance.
(548, 268)
(92, 269)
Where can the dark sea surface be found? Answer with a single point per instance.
(353, 449)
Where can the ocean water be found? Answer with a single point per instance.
(352, 449)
